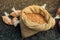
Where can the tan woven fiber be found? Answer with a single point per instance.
(32, 23)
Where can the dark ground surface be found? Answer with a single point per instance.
(11, 33)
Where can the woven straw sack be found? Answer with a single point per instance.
(28, 27)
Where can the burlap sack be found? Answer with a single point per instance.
(29, 28)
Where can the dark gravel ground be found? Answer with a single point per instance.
(11, 33)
